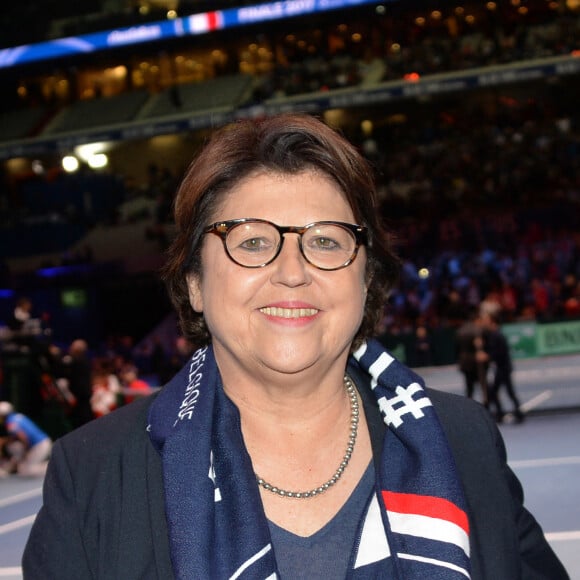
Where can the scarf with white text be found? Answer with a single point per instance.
(415, 527)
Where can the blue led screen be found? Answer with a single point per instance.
(195, 24)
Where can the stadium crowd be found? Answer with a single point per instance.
(482, 205)
(486, 211)
(408, 46)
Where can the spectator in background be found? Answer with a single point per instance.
(572, 297)
(21, 315)
(77, 370)
(491, 304)
(422, 347)
(497, 347)
(508, 300)
(25, 328)
(471, 356)
(106, 389)
(28, 446)
(454, 310)
(541, 298)
(132, 385)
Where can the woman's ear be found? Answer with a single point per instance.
(194, 287)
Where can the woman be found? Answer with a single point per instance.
(290, 445)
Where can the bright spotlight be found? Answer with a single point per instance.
(87, 150)
(70, 163)
(98, 161)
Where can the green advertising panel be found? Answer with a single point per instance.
(521, 337)
(558, 338)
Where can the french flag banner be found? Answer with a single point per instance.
(205, 22)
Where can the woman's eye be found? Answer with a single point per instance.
(255, 244)
(322, 243)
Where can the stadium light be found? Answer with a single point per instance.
(88, 150)
(98, 161)
(70, 163)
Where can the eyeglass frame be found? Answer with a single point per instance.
(222, 228)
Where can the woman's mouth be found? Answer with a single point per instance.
(288, 312)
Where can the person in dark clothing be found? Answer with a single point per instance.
(422, 347)
(78, 372)
(497, 347)
(472, 358)
(21, 314)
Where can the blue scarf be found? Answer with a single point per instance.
(415, 527)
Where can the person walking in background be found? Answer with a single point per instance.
(28, 447)
(497, 347)
(473, 361)
(77, 370)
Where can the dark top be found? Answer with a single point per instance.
(498, 349)
(323, 554)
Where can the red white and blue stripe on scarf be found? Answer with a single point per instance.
(415, 527)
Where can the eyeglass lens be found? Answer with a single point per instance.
(326, 246)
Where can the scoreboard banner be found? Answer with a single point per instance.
(195, 24)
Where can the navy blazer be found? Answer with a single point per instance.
(103, 516)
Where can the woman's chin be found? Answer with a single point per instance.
(288, 358)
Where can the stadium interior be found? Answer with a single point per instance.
(468, 112)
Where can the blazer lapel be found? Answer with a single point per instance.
(156, 502)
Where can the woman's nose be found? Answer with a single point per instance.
(290, 267)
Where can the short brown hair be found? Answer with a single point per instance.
(288, 144)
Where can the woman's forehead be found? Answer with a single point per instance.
(271, 193)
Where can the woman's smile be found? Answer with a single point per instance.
(290, 314)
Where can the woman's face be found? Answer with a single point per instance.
(288, 316)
